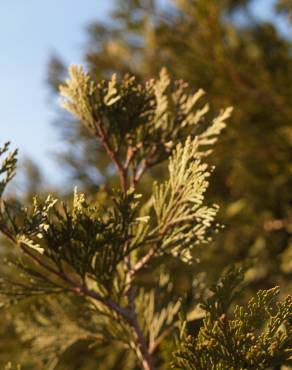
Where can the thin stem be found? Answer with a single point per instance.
(147, 361)
(143, 261)
(145, 164)
(113, 155)
(130, 156)
(141, 170)
(163, 335)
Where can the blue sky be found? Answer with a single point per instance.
(30, 31)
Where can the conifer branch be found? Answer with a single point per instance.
(88, 249)
(147, 361)
(74, 287)
(128, 314)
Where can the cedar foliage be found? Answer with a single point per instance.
(241, 60)
(78, 263)
(254, 338)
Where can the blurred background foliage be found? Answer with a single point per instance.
(239, 60)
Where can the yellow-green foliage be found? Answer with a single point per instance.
(7, 167)
(78, 263)
(258, 336)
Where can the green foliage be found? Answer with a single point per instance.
(94, 250)
(257, 336)
(78, 275)
(141, 122)
(245, 64)
(88, 239)
(7, 167)
(182, 217)
(93, 240)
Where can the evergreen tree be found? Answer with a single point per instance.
(78, 265)
(246, 64)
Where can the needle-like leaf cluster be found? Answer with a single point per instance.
(257, 336)
(79, 263)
